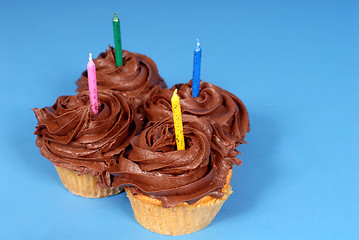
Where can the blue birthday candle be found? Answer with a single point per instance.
(196, 70)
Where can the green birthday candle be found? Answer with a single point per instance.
(117, 36)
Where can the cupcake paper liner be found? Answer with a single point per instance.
(84, 185)
(179, 220)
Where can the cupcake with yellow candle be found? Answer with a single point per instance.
(82, 145)
(175, 192)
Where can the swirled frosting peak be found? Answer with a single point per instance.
(221, 108)
(153, 166)
(72, 137)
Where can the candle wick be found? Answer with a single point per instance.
(115, 18)
(90, 56)
(198, 45)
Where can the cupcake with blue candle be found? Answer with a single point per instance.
(225, 111)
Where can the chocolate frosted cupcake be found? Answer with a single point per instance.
(222, 109)
(82, 145)
(137, 79)
(175, 192)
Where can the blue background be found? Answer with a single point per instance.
(293, 63)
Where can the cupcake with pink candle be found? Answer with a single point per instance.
(82, 144)
(82, 134)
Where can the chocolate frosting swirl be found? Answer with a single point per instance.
(222, 109)
(137, 79)
(72, 137)
(153, 166)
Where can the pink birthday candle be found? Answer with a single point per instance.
(91, 76)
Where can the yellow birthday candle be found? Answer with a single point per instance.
(177, 120)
